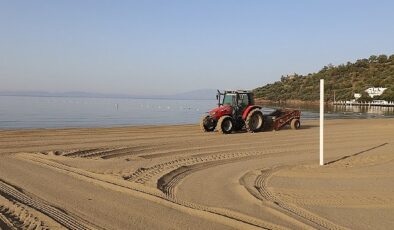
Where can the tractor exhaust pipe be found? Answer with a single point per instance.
(218, 97)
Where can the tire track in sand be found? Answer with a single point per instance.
(14, 215)
(265, 194)
(16, 195)
(243, 221)
(143, 175)
(168, 183)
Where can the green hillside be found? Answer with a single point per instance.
(344, 80)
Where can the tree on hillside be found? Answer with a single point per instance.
(373, 58)
(382, 58)
(388, 94)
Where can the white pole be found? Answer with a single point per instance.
(321, 120)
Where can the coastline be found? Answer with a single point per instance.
(296, 103)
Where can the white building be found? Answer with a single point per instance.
(372, 92)
(357, 95)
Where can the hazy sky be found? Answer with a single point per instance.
(155, 47)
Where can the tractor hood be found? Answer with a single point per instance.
(221, 111)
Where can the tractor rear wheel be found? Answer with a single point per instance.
(207, 124)
(225, 125)
(295, 124)
(254, 121)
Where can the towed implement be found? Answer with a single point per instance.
(237, 111)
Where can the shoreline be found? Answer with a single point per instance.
(179, 124)
(96, 127)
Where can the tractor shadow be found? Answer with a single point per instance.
(308, 126)
(355, 154)
(268, 128)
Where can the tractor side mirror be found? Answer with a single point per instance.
(217, 96)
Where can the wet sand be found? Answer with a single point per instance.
(176, 177)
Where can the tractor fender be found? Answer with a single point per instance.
(248, 109)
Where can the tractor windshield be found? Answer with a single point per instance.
(230, 99)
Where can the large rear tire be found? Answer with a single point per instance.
(295, 124)
(225, 125)
(254, 121)
(207, 124)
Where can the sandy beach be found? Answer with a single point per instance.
(176, 177)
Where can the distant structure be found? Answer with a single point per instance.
(357, 96)
(291, 76)
(372, 92)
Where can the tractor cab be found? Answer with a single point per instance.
(238, 100)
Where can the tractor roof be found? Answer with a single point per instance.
(237, 91)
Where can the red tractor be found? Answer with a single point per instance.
(236, 110)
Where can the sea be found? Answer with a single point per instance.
(20, 112)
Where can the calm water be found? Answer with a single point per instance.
(55, 112)
(350, 112)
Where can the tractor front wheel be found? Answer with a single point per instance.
(295, 124)
(207, 124)
(254, 121)
(225, 125)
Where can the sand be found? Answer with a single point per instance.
(176, 177)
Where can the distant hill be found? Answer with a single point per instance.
(204, 94)
(344, 80)
(63, 94)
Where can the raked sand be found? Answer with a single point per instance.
(176, 177)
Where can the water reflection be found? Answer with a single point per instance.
(311, 111)
(378, 110)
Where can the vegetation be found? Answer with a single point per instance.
(343, 80)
